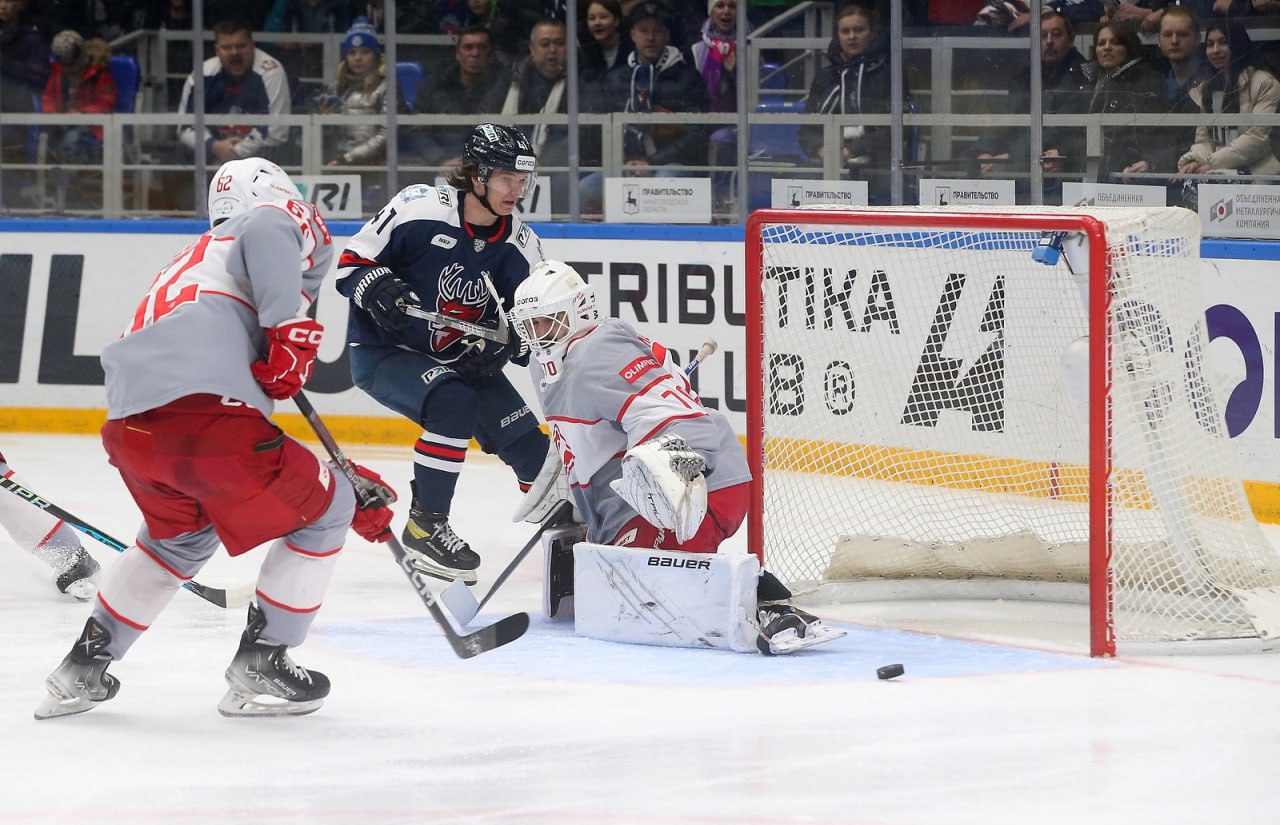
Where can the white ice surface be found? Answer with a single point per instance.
(559, 729)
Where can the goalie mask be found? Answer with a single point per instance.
(240, 185)
(552, 306)
(492, 147)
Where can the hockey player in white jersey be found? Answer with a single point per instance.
(430, 278)
(648, 465)
(223, 333)
(50, 540)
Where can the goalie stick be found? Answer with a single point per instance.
(502, 632)
(234, 597)
(457, 597)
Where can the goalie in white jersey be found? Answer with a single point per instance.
(223, 333)
(648, 465)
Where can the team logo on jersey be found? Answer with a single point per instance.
(444, 241)
(479, 244)
(459, 298)
(632, 372)
(523, 237)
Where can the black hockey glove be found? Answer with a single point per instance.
(384, 296)
(484, 359)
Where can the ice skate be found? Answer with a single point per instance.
(786, 629)
(81, 681)
(436, 550)
(80, 578)
(264, 681)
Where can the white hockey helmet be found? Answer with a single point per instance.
(551, 306)
(240, 185)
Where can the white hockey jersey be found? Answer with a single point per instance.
(201, 324)
(615, 390)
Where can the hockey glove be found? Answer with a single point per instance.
(662, 480)
(384, 296)
(483, 360)
(372, 520)
(291, 353)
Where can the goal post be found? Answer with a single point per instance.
(965, 402)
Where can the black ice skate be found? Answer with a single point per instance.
(436, 550)
(264, 681)
(81, 681)
(785, 629)
(80, 578)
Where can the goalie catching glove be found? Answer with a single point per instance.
(372, 519)
(291, 353)
(662, 481)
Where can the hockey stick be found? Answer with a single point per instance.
(495, 635)
(235, 597)
(457, 597)
(499, 335)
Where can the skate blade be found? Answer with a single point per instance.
(51, 707)
(788, 642)
(238, 704)
(439, 571)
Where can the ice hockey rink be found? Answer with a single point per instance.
(1000, 718)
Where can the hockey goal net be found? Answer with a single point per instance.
(934, 409)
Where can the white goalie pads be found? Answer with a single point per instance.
(549, 489)
(660, 597)
(662, 481)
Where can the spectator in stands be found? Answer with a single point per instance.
(1065, 88)
(474, 83)
(539, 86)
(173, 15)
(1125, 84)
(513, 21)
(856, 82)
(715, 55)
(361, 89)
(1145, 15)
(80, 81)
(604, 43)
(1238, 85)
(656, 78)
(239, 79)
(24, 71)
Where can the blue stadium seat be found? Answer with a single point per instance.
(125, 72)
(408, 76)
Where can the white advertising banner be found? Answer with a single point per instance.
(790, 193)
(338, 196)
(1112, 194)
(1239, 211)
(958, 191)
(657, 200)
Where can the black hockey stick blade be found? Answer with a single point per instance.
(236, 597)
(485, 639)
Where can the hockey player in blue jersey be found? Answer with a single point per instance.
(430, 277)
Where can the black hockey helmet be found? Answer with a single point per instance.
(491, 146)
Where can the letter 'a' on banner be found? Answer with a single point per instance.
(657, 200)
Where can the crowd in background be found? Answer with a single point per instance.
(657, 56)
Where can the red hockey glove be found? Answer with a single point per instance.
(372, 520)
(291, 352)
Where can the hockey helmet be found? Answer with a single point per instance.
(552, 306)
(492, 146)
(240, 185)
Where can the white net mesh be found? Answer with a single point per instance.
(924, 416)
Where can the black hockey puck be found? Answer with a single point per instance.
(889, 671)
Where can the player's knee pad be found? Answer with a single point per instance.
(661, 597)
(450, 409)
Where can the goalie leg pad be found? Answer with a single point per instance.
(546, 491)
(661, 597)
(557, 569)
